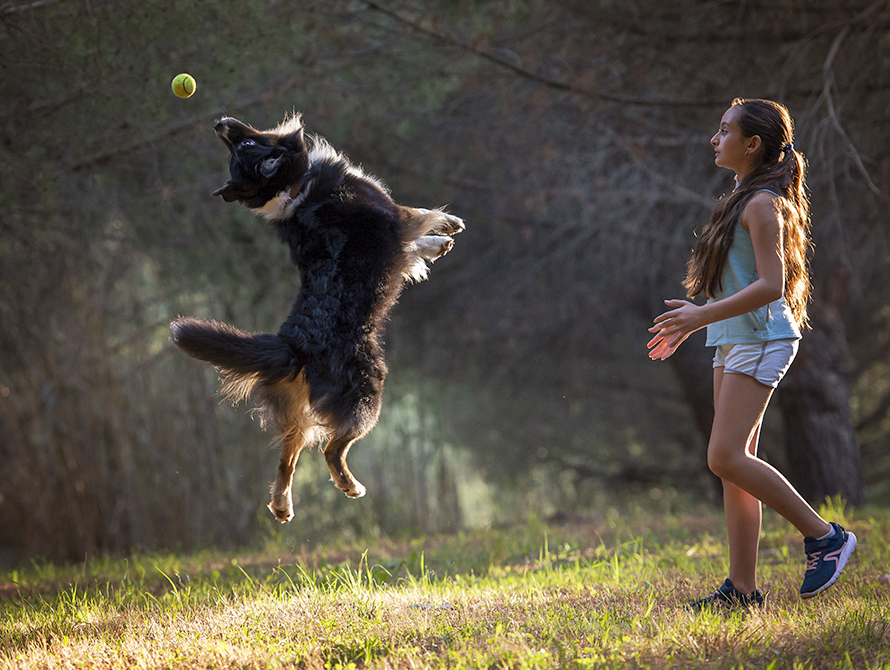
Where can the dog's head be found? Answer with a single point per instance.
(262, 164)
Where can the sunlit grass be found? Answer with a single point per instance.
(596, 595)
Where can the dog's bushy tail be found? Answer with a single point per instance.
(243, 359)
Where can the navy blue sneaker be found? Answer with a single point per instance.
(826, 560)
(730, 597)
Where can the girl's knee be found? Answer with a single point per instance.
(720, 463)
(715, 466)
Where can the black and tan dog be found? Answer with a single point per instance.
(321, 377)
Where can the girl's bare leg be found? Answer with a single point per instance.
(739, 404)
(743, 518)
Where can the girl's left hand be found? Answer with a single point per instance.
(662, 347)
(672, 328)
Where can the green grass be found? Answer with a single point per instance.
(595, 595)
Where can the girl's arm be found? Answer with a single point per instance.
(761, 218)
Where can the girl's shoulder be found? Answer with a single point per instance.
(762, 208)
(764, 196)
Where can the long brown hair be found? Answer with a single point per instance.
(783, 171)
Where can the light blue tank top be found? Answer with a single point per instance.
(770, 322)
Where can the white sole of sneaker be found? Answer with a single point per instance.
(842, 559)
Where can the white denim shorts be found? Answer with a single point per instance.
(767, 362)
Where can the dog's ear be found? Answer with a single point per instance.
(294, 141)
(270, 166)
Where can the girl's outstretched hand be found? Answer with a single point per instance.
(662, 347)
(673, 327)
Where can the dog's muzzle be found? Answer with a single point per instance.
(231, 131)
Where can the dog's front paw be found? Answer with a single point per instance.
(453, 224)
(431, 247)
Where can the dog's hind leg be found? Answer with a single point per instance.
(335, 454)
(282, 507)
(285, 403)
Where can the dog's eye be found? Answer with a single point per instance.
(247, 143)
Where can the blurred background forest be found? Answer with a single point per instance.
(573, 139)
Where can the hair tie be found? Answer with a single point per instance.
(788, 147)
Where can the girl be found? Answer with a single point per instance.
(750, 263)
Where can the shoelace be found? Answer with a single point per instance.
(813, 561)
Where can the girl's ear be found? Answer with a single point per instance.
(754, 145)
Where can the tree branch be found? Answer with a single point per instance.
(13, 8)
(828, 84)
(488, 55)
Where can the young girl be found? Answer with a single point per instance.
(750, 263)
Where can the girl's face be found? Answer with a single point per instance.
(732, 149)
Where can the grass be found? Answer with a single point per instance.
(595, 595)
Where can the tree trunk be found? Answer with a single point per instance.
(823, 455)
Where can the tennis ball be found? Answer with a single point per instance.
(184, 85)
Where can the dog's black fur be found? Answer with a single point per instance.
(321, 377)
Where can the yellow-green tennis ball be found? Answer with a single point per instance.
(184, 85)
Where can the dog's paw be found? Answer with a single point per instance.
(357, 490)
(452, 224)
(431, 247)
(282, 514)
